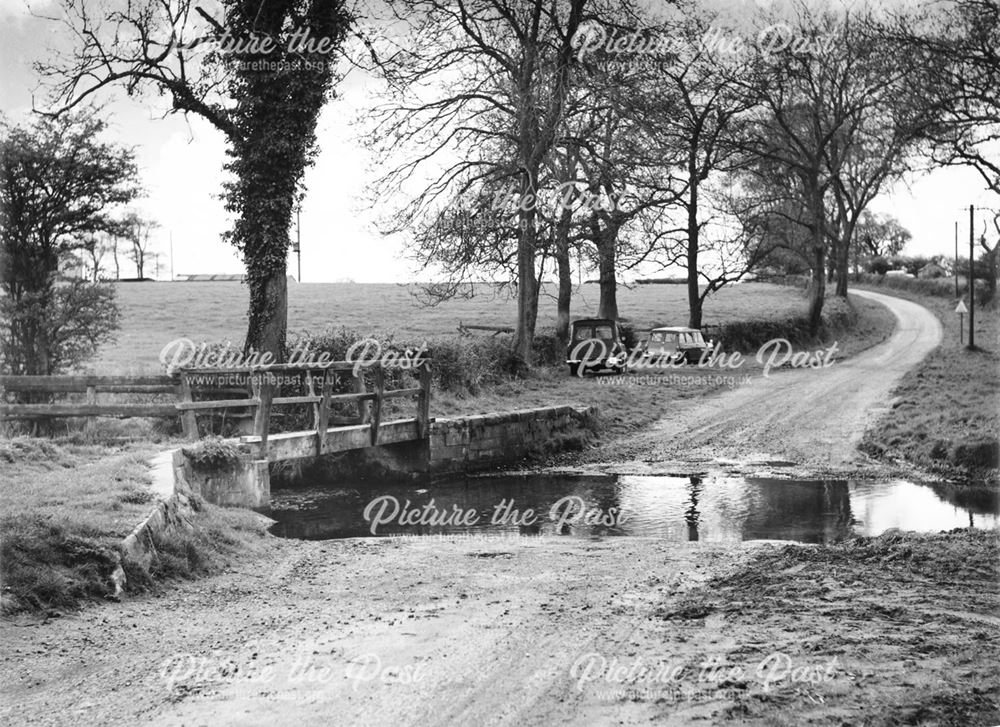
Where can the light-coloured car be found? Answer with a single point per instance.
(675, 343)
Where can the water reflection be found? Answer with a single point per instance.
(696, 508)
(691, 515)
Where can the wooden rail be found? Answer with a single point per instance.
(258, 400)
(91, 386)
(319, 382)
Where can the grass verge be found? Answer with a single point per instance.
(945, 416)
(66, 508)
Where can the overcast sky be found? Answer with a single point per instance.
(181, 168)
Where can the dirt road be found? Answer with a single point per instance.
(514, 631)
(533, 631)
(814, 417)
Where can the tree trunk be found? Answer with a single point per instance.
(608, 307)
(817, 289)
(269, 316)
(694, 299)
(527, 283)
(819, 258)
(606, 241)
(843, 265)
(565, 277)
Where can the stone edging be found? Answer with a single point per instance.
(173, 512)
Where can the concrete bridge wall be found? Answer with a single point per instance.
(454, 446)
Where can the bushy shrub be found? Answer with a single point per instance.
(879, 265)
(941, 287)
(459, 363)
(549, 350)
(212, 454)
(468, 363)
(747, 336)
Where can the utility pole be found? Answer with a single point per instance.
(955, 266)
(298, 238)
(972, 282)
(172, 257)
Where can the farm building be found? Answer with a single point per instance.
(932, 270)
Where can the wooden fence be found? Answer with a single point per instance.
(258, 397)
(91, 386)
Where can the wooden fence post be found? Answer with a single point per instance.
(91, 399)
(364, 410)
(377, 404)
(262, 417)
(424, 402)
(323, 415)
(189, 420)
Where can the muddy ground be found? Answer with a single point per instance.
(897, 630)
(901, 629)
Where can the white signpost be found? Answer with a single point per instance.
(961, 310)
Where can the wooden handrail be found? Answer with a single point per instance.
(284, 368)
(264, 400)
(80, 384)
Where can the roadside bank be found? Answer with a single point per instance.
(945, 413)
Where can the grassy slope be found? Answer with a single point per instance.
(66, 506)
(946, 414)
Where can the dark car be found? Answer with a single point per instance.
(596, 344)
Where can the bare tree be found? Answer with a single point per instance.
(960, 46)
(95, 247)
(693, 106)
(137, 230)
(494, 77)
(814, 106)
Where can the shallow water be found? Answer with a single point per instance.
(712, 508)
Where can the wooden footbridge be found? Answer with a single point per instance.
(305, 402)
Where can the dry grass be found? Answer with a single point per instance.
(155, 313)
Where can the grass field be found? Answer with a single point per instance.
(155, 313)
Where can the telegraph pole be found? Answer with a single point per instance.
(955, 266)
(972, 282)
(171, 256)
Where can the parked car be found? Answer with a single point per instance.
(596, 344)
(675, 344)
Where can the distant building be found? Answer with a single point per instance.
(217, 278)
(932, 270)
(210, 278)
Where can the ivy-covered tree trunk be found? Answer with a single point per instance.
(280, 94)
